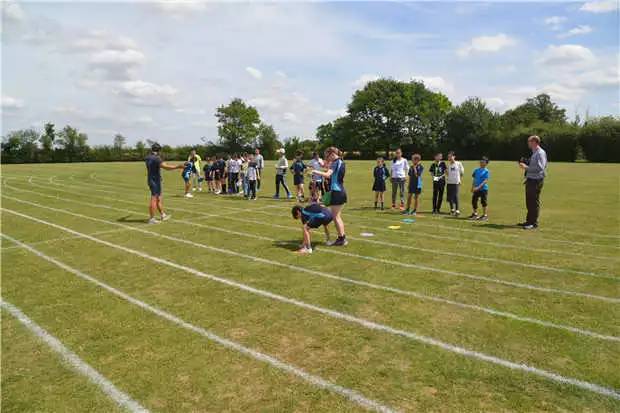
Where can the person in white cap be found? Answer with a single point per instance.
(281, 168)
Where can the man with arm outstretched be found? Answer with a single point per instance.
(154, 165)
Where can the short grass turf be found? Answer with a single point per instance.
(488, 287)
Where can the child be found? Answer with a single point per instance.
(400, 168)
(312, 216)
(298, 169)
(381, 174)
(316, 183)
(252, 175)
(438, 172)
(208, 176)
(480, 189)
(281, 168)
(454, 176)
(245, 160)
(234, 168)
(196, 161)
(187, 178)
(415, 184)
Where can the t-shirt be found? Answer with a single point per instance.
(153, 165)
(380, 173)
(260, 161)
(281, 166)
(187, 170)
(298, 167)
(316, 165)
(196, 159)
(252, 173)
(234, 166)
(455, 171)
(315, 215)
(480, 175)
(400, 168)
(221, 166)
(337, 179)
(438, 170)
(415, 176)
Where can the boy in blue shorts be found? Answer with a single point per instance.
(298, 169)
(188, 171)
(311, 216)
(480, 190)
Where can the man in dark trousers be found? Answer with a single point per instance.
(535, 171)
(438, 172)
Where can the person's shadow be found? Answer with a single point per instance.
(128, 220)
(292, 245)
(498, 226)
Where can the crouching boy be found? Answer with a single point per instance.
(311, 216)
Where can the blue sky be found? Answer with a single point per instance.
(159, 70)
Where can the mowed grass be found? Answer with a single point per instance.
(546, 299)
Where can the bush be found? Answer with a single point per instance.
(600, 139)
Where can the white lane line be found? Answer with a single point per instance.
(559, 270)
(316, 381)
(381, 260)
(379, 287)
(74, 361)
(52, 240)
(558, 378)
(434, 226)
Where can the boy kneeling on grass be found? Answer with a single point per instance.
(311, 216)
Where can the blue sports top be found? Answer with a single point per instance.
(298, 167)
(315, 215)
(381, 173)
(479, 175)
(416, 169)
(337, 178)
(187, 169)
(153, 163)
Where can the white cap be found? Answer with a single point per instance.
(281, 150)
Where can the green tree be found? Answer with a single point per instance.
(238, 125)
(47, 140)
(140, 149)
(388, 113)
(119, 142)
(471, 129)
(20, 146)
(539, 108)
(267, 140)
(600, 139)
(73, 144)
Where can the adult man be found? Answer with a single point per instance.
(400, 169)
(260, 165)
(535, 172)
(154, 164)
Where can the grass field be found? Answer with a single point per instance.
(212, 311)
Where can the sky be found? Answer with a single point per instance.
(158, 71)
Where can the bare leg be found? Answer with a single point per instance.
(338, 222)
(160, 206)
(152, 206)
(417, 201)
(408, 201)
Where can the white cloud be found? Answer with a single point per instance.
(361, 81)
(147, 93)
(436, 83)
(496, 103)
(604, 6)
(290, 117)
(12, 11)
(11, 103)
(102, 40)
(116, 64)
(576, 31)
(486, 44)
(254, 72)
(555, 22)
(181, 8)
(569, 56)
(281, 74)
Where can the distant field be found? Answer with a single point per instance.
(212, 311)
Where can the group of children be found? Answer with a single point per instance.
(299, 169)
(237, 174)
(442, 173)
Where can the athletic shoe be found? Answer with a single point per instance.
(522, 224)
(405, 212)
(165, 217)
(189, 195)
(304, 250)
(340, 242)
(452, 212)
(434, 212)
(289, 196)
(473, 216)
(153, 221)
(193, 189)
(217, 192)
(276, 197)
(254, 199)
(393, 206)
(530, 226)
(457, 213)
(199, 189)
(483, 218)
(412, 213)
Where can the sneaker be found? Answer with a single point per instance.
(434, 212)
(199, 189)
(530, 226)
(189, 195)
(289, 196)
(193, 189)
(304, 250)
(276, 197)
(452, 212)
(340, 242)
(473, 216)
(405, 212)
(153, 221)
(393, 206)
(165, 217)
(483, 218)
(457, 213)
(218, 192)
(413, 212)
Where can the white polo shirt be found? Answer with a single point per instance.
(400, 167)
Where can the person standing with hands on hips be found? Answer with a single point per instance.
(535, 172)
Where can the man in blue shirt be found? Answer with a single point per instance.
(312, 216)
(480, 190)
(535, 172)
(154, 164)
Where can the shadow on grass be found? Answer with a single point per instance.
(499, 226)
(126, 219)
(292, 245)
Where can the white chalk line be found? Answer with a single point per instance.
(52, 240)
(585, 385)
(379, 287)
(314, 380)
(541, 267)
(381, 260)
(74, 361)
(388, 262)
(109, 184)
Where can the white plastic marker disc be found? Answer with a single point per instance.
(367, 234)
(394, 227)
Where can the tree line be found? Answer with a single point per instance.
(384, 115)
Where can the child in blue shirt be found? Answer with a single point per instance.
(380, 174)
(298, 168)
(480, 190)
(312, 216)
(415, 184)
(188, 167)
